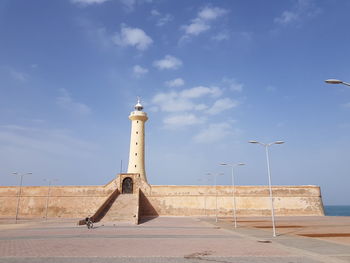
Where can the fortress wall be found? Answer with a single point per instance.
(82, 201)
(64, 201)
(250, 200)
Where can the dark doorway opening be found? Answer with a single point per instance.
(127, 186)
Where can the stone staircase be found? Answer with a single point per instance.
(123, 209)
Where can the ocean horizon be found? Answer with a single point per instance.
(337, 210)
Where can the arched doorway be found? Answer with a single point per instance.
(127, 186)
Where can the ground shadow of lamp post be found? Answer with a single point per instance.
(233, 189)
(20, 191)
(336, 81)
(267, 145)
(49, 181)
(216, 195)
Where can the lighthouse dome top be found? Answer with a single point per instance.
(138, 105)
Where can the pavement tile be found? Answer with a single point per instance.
(166, 239)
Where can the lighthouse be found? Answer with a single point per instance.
(137, 141)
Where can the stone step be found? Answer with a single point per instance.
(123, 208)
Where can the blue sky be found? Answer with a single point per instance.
(212, 75)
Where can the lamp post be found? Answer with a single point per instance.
(267, 145)
(336, 81)
(50, 181)
(233, 189)
(205, 197)
(20, 191)
(216, 195)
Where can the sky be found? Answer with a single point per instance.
(211, 75)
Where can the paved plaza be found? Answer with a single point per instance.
(178, 239)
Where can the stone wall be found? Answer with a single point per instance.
(64, 201)
(82, 201)
(250, 200)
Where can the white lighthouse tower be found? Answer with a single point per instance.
(137, 141)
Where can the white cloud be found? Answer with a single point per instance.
(65, 101)
(287, 17)
(302, 9)
(135, 37)
(88, 2)
(233, 84)
(196, 27)
(168, 62)
(128, 4)
(203, 21)
(172, 102)
(224, 35)
(222, 105)
(165, 19)
(178, 82)
(162, 19)
(200, 107)
(155, 12)
(214, 133)
(139, 71)
(181, 107)
(183, 100)
(200, 91)
(177, 121)
(210, 13)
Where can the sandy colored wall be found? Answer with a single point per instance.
(250, 200)
(64, 201)
(81, 201)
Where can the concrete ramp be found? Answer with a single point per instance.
(124, 209)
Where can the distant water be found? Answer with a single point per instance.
(337, 210)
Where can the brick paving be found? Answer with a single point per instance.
(171, 239)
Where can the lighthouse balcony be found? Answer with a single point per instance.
(138, 115)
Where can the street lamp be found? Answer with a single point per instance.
(205, 196)
(50, 181)
(233, 189)
(267, 145)
(216, 195)
(20, 191)
(336, 81)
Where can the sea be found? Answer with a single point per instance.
(337, 210)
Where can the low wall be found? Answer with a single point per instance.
(250, 200)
